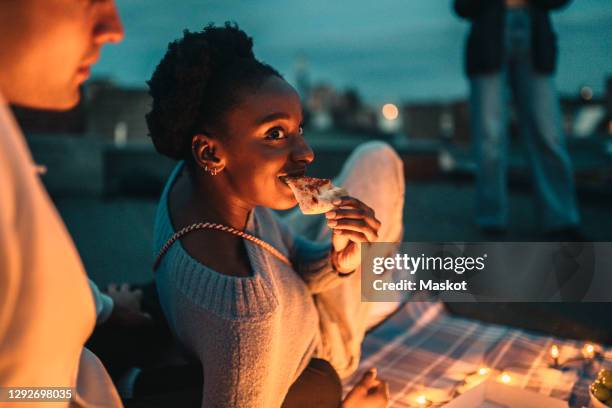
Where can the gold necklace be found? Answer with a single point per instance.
(220, 227)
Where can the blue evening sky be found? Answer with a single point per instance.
(388, 49)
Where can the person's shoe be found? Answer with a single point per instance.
(566, 234)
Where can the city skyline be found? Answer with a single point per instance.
(388, 50)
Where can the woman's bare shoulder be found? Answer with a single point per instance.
(219, 251)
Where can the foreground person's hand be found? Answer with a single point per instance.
(126, 306)
(369, 392)
(124, 296)
(352, 223)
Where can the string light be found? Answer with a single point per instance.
(422, 401)
(554, 353)
(589, 352)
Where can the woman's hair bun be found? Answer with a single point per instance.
(193, 83)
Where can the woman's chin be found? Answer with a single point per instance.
(284, 199)
(283, 203)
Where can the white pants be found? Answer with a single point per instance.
(373, 174)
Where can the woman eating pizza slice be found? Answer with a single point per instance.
(275, 319)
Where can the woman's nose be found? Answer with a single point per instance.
(301, 151)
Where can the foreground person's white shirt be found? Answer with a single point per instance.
(46, 307)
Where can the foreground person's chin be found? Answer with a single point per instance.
(74, 98)
(63, 102)
(49, 100)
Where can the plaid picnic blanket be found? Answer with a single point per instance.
(423, 350)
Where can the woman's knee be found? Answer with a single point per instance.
(383, 158)
(318, 386)
(327, 374)
(378, 159)
(377, 149)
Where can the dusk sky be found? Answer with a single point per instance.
(390, 50)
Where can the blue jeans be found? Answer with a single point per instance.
(539, 118)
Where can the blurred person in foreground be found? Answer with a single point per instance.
(512, 43)
(47, 310)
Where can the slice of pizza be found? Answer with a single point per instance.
(314, 195)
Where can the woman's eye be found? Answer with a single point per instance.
(276, 134)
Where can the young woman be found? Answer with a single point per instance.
(266, 331)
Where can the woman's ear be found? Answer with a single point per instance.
(207, 154)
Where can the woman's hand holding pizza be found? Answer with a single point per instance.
(352, 223)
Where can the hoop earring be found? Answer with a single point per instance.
(212, 172)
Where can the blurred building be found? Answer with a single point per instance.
(115, 113)
(328, 108)
(436, 120)
(106, 134)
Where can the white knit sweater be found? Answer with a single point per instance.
(253, 335)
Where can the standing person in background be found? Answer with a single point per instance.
(47, 311)
(512, 42)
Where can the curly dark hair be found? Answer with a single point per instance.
(201, 76)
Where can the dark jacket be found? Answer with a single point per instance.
(485, 44)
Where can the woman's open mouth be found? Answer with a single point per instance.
(293, 174)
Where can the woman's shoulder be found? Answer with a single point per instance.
(211, 292)
(187, 276)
